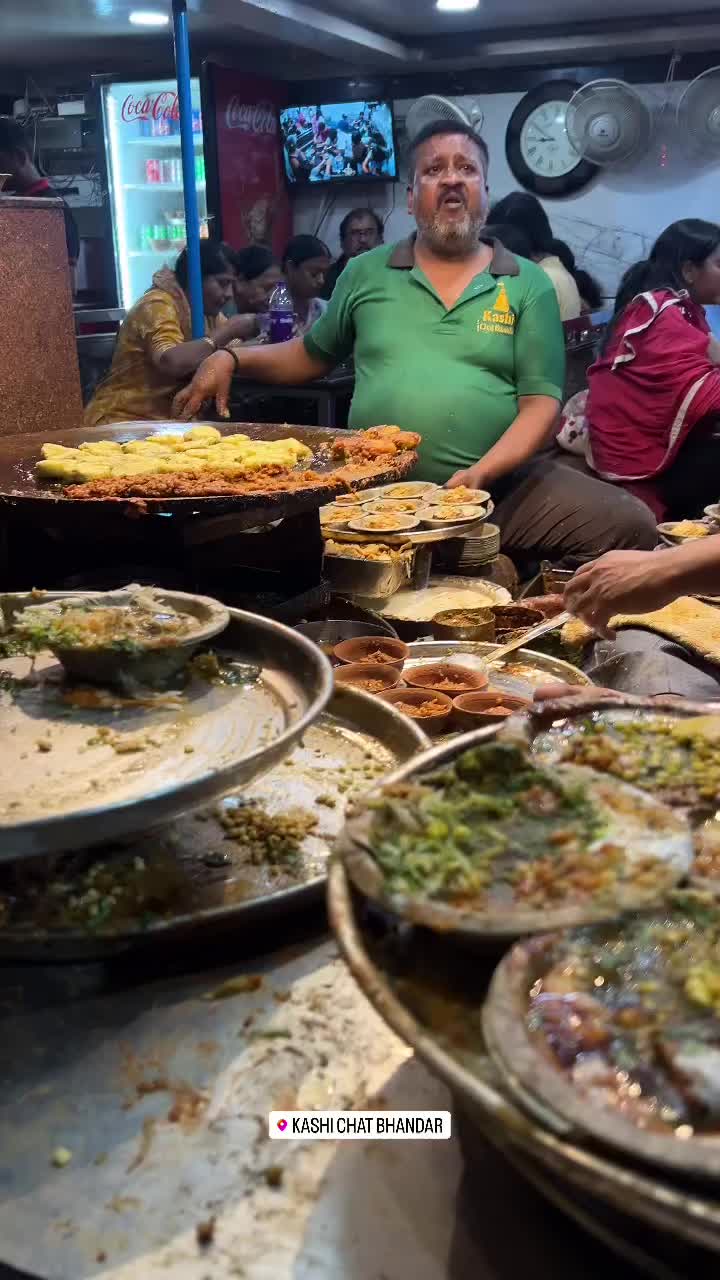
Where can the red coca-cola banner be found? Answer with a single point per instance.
(254, 202)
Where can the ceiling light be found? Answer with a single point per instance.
(148, 18)
(456, 6)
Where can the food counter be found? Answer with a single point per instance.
(166, 979)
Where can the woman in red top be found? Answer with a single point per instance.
(653, 409)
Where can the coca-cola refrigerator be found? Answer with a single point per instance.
(248, 199)
(143, 170)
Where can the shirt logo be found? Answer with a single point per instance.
(500, 318)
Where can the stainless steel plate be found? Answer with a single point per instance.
(343, 753)
(418, 537)
(66, 784)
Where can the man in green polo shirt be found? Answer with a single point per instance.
(457, 339)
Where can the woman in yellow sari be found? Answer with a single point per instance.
(155, 352)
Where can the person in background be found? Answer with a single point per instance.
(155, 351)
(305, 263)
(456, 339)
(359, 151)
(526, 212)
(510, 237)
(27, 180)
(653, 408)
(255, 275)
(360, 231)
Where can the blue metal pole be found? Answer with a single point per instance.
(192, 221)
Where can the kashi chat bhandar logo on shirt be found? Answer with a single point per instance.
(500, 317)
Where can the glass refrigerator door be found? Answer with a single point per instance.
(142, 140)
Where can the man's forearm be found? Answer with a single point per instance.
(281, 362)
(693, 568)
(530, 432)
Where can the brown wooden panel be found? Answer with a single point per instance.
(39, 377)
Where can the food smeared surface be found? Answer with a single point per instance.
(676, 759)
(275, 835)
(630, 1013)
(494, 831)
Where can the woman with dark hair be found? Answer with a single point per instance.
(256, 274)
(653, 408)
(305, 263)
(155, 352)
(511, 237)
(526, 212)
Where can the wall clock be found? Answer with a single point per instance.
(538, 149)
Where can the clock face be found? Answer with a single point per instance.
(539, 152)
(544, 144)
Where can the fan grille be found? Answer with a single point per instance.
(430, 110)
(608, 122)
(699, 110)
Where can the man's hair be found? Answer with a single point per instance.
(361, 213)
(12, 135)
(440, 128)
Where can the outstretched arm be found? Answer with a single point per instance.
(282, 362)
(640, 581)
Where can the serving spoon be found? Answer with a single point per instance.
(526, 637)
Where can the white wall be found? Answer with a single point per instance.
(609, 225)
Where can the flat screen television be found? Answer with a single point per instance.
(339, 142)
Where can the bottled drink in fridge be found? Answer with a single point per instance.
(282, 314)
(152, 171)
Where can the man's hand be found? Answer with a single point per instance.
(621, 582)
(212, 380)
(473, 478)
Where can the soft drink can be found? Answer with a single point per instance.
(152, 170)
(146, 236)
(162, 126)
(196, 120)
(145, 129)
(166, 171)
(199, 169)
(177, 171)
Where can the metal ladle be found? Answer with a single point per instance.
(534, 633)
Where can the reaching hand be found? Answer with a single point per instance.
(212, 380)
(472, 478)
(620, 582)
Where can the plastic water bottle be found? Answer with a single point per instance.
(282, 314)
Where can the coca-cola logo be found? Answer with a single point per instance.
(250, 117)
(158, 106)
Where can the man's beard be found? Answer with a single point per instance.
(451, 238)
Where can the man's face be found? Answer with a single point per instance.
(448, 198)
(361, 234)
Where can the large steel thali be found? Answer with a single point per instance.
(353, 741)
(520, 673)
(20, 489)
(75, 791)
(432, 998)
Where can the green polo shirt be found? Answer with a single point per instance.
(453, 375)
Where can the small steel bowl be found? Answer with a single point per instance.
(154, 664)
(482, 626)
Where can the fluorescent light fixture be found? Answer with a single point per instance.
(456, 6)
(148, 18)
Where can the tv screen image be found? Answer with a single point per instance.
(339, 142)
